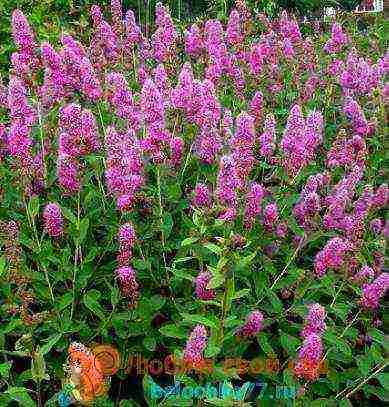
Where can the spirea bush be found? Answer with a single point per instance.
(198, 197)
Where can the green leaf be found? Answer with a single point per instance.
(289, 343)
(182, 274)
(115, 295)
(188, 241)
(5, 369)
(69, 215)
(38, 367)
(150, 343)
(84, 225)
(213, 248)
(260, 281)
(65, 301)
(245, 261)
(216, 281)
(275, 302)
(340, 344)
(198, 319)
(174, 191)
(376, 335)
(33, 206)
(212, 351)
(21, 395)
(383, 378)
(91, 302)
(241, 293)
(263, 340)
(173, 331)
(167, 224)
(364, 364)
(157, 302)
(51, 341)
(140, 264)
(2, 265)
(183, 259)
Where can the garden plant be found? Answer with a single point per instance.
(210, 197)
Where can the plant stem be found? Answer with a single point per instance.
(32, 224)
(376, 371)
(287, 264)
(161, 216)
(76, 256)
(186, 163)
(342, 334)
(42, 142)
(225, 306)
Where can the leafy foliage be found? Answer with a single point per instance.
(63, 288)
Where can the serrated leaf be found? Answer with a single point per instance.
(2, 265)
(167, 224)
(188, 241)
(33, 206)
(91, 302)
(198, 319)
(84, 226)
(216, 281)
(65, 301)
(213, 248)
(264, 344)
(150, 343)
(69, 215)
(21, 395)
(241, 293)
(173, 331)
(51, 341)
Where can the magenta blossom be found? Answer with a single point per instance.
(372, 293)
(201, 282)
(53, 221)
(252, 325)
(197, 342)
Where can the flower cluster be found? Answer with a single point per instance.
(301, 139)
(53, 221)
(337, 41)
(128, 284)
(193, 353)
(359, 77)
(309, 358)
(78, 137)
(165, 36)
(252, 325)
(311, 353)
(372, 293)
(332, 256)
(124, 171)
(25, 60)
(201, 283)
(127, 239)
(314, 322)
